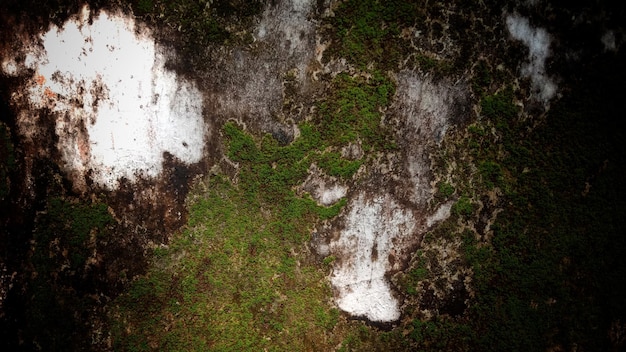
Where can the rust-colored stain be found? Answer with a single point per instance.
(49, 93)
(83, 148)
(40, 79)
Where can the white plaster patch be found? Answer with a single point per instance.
(538, 42)
(373, 229)
(118, 108)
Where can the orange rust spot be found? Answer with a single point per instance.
(49, 93)
(40, 79)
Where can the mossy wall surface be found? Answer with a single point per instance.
(528, 257)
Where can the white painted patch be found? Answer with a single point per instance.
(538, 42)
(373, 228)
(119, 109)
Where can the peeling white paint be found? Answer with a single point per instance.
(373, 229)
(538, 42)
(118, 108)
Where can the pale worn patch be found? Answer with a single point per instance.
(427, 109)
(380, 230)
(117, 108)
(247, 83)
(375, 229)
(538, 42)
